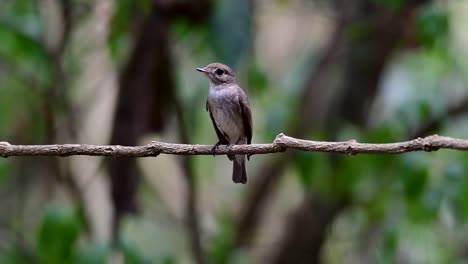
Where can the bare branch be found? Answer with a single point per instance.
(280, 144)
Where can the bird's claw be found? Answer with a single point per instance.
(215, 147)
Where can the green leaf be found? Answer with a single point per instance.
(432, 25)
(18, 46)
(424, 109)
(120, 25)
(258, 80)
(310, 167)
(5, 170)
(389, 245)
(413, 174)
(58, 233)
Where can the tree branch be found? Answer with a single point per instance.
(280, 144)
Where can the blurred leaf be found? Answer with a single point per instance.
(13, 258)
(310, 167)
(181, 27)
(59, 230)
(120, 25)
(230, 30)
(424, 110)
(389, 246)
(422, 200)
(364, 175)
(20, 7)
(413, 174)
(167, 260)
(257, 78)
(432, 25)
(383, 134)
(23, 15)
(5, 170)
(451, 187)
(96, 253)
(21, 48)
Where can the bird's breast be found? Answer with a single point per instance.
(224, 107)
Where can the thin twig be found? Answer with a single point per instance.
(280, 144)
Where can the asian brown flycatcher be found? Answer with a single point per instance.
(230, 113)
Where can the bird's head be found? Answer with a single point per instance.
(218, 73)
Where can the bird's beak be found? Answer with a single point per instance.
(202, 70)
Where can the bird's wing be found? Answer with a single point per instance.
(246, 115)
(222, 138)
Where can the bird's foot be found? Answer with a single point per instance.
(215, 147)
(229, 146)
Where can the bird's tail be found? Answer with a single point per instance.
(239, 174)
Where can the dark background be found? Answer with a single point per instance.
(123, 72)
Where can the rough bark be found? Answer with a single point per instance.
(281, 144)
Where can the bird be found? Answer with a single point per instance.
(230, 113)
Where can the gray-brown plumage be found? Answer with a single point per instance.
(230, 113)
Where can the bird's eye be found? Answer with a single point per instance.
(219, 71)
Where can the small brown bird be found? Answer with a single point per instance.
(230, 113)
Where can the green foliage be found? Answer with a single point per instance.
(450, 188)
(258, 80)
(311, 167)
(58, 234)
(24, 52)
(5, 171)
(24, 70)
(432, 26)
(13, 258)
(57, 238)
(20, 35)
(167, 260)
(389, 246)
(413, 174)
